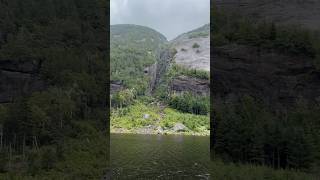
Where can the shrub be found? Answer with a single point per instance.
(190, 103)
(195, 45)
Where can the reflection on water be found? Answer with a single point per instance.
(159, 157)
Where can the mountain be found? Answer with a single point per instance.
(135, 35)
(141, 56)
(149, 82)
(133, 49)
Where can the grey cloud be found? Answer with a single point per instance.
(169, 17)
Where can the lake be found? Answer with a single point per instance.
(159, 156)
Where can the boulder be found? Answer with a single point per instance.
(159, 130)
(179, 127)
(146, 116)
(116, 86)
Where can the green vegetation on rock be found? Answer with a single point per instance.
(195, 45)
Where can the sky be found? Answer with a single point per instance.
(169, 17)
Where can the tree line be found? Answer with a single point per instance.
(249, 132)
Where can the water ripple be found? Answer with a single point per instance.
(159, 157)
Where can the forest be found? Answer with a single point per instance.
(252, 131)
(51, 132)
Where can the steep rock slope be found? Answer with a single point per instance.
(193, 48)
(240, 69)
(193, 53)
(275, 76)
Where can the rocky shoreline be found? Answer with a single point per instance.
(148, 130)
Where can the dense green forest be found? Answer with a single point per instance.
(59, 132)
(251, 131)
(133, 48)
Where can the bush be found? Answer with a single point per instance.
(123, 98)
(190, 103)
(195, 123)
(195, 45)
(174, 51)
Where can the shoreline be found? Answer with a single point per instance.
(152, 132)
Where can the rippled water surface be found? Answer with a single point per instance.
(159, 157)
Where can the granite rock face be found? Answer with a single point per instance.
(276, 78)
(189, 84)
(189, 55)
(19, 78)
(242, 70)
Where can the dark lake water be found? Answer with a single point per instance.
(159, 157)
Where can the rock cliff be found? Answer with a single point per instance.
(268, 75)
(19, 78)
(193, 49)
(242, 70)
(192, 52)
(195, 85)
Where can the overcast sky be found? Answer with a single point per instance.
(169, 17)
